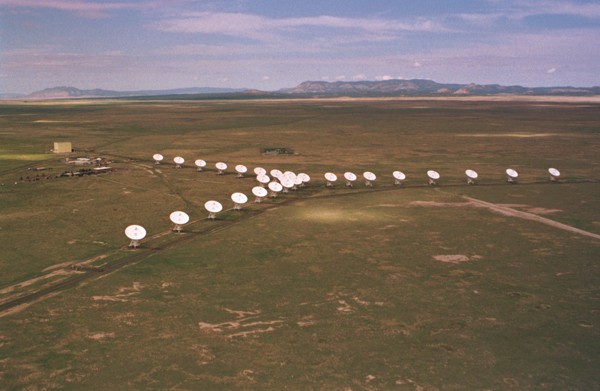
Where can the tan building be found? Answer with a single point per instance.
(62, 147)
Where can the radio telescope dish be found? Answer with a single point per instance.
(200, 164)
(260, 193)
(179, 218)
(135, 233)
(178, 161)
(275, 173)
(511, 175)
(241, 170)
(398, 177)
(260, 171)
(287, 183)
(330, 177)
(157, 158)
(239, 199)
(471, 176)
(275, 188)
(221, 167)
(554, 174)
(263, 179)
(298, 181)
(304, 178)
(433, 177)
(369, 178)
(213, 207)
(350, 177)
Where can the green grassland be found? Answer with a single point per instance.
(406, 287)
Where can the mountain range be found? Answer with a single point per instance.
(388, 88)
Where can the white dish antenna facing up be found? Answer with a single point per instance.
(369, 178)
(241, 170)
(200, 164)
(260, 193)
(157, 158)
(260, 171)
(221, 167)
(275, 188)
(330, 177)
(554, 174)
(287, 183)
(471, 176)
(350, 177)
(511, 175)
(304, 178)
(213, 207)
(179, 218)
(239, 199)
(275, 173)
(263, 179)
(398, 177)
(135, 233)
(433, 177)
(178, 161)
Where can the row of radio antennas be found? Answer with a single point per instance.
(288, 180)
(294, 180)
(200, 164)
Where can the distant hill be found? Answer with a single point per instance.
(72, 92)
(416, 87)
(307, 89)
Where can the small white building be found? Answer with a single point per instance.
(62, 147)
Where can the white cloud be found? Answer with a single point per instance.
(384, 77)
(264, 28)
(551, 70)
(266, 78)
(416, 64)
(82, 7)
(340, 77)
(360, 76)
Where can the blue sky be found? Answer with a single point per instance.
(272, 44)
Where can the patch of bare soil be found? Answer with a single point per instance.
(246, 323)
(452, 258)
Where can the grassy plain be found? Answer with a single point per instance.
(408, 288)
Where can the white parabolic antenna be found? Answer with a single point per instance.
(275, 173)
(368, 175)
(433, 175)
(213, 206)
(178, 160)
(471, 174)
(287, 183)
(259, 191)
(135, 233)
(264, 179)
(200, 163)
(260, 171)
(179, 217)
(350, 176)
(512, 173)
(241, 169)
(399, 175)
(157, 157)
(554, 172)
(331, 177)
(275, 188)
(221, 166)
(304, 177)
(239, 198)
